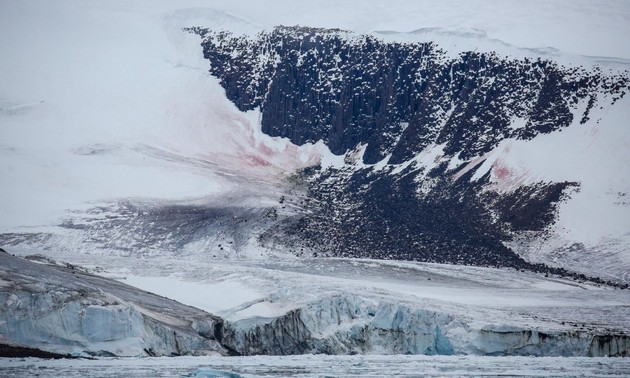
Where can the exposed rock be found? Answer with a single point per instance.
(397, 98)
(15, 351)
(387, 103)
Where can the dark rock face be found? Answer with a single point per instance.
(382, 216)
(397, 100)
(531, 208)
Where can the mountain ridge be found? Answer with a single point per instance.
(388, 108)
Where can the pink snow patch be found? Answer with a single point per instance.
(508, 178)
(255, 161)
(500, 171)
(265, 150)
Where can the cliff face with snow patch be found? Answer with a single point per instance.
(417, 129)
(398, 98)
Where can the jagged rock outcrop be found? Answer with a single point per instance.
(389, 105)
(397, 98)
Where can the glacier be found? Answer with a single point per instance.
(62, 309)
(420, 309)
(346, 325)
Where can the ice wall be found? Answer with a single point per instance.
(64, 310)
(77, 323)
(354, 325)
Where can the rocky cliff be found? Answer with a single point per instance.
(397, 98)
(413, 124)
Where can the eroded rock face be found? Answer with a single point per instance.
(398, 98)
(385, 104)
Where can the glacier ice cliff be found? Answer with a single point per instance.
(62, 309)
(354, 325)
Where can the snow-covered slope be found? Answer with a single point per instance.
(105, 101)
